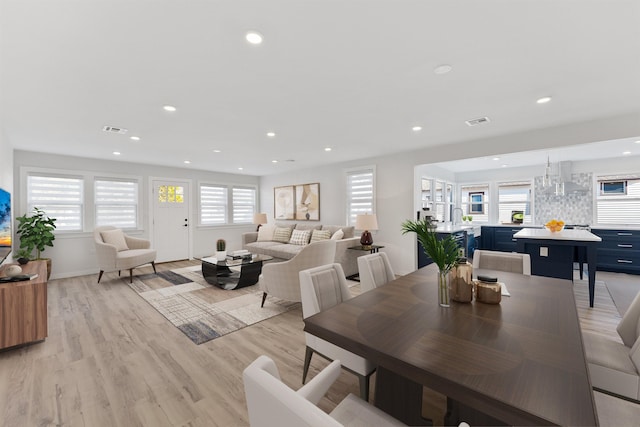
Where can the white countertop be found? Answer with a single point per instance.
(543, 233)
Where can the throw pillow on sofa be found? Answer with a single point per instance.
(300, 237)
(337, 235)
(318, 235)
(282, 234)
(265, 233)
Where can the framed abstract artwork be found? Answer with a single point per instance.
(284, 202)
(308, 202)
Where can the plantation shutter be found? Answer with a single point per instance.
(244, 205)
(360, 194)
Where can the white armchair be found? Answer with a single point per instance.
(117, 251)
(273, 403)
(322, 288)
(281, 279)
(374, 270)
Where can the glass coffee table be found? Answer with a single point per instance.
(233, 274)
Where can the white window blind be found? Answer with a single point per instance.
(116, 203)
(514, 196)
(616, 207)
(60, 197)
(244, 205)
(360, 194)
(213, 204)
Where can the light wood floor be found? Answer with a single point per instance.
(112, 360)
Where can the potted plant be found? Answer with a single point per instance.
(221, 249)
(443, 252)
(23, 256)
(36, 233)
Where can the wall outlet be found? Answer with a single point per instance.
(544, 251)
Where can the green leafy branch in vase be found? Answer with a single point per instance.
(443, 252)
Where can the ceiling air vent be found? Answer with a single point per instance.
(478, 121)
(113, 129)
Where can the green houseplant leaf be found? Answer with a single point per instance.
(443, 252)
(35, 231)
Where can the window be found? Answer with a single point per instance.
(474, 201)
(116, 203)
(618, 200)
(514, 202)
(223, 204)
(244, 205)
(213, 205)
(60, 197)
(360, 193)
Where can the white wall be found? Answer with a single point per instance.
(73, 254)
(6, 172)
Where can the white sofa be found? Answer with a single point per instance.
(348, 259)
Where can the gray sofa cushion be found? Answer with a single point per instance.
(348, 231)
(311, 226)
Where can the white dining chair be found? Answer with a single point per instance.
(513, 262)
(374, 270)
(272, 403)
(322, 288)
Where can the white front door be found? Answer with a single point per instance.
(171, 219)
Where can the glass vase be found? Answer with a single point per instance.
(443, 288)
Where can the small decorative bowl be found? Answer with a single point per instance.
(556, 229)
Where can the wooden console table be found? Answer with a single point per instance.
(23, 307)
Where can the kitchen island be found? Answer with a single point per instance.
(552, 254)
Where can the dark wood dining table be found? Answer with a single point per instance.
(520, 362)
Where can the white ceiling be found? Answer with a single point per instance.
(353, 75)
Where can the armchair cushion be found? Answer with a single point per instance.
(115, 238)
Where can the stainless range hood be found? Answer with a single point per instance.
(562, 183)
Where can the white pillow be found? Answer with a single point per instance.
(338, 235)
(265, 234)
(115, 238)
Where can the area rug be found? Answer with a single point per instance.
(204, 312)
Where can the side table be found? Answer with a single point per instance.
(372, 249)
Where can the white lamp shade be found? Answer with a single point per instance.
(259, 218)
(366, 222)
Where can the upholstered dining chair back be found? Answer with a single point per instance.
(614, 366)
(322, 288)
(273, 403)
(512, 262)
(374, 270)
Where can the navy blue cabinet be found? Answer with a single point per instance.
(499, 238)
(619, 250)
(424, 259)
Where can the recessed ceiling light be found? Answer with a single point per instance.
(638, 142)
(271, 134)
(274, 161)
(442, 69)
(544, 100)
(416, 128)
(254, 37)
(170, 108)
(216, 151)
(327, 149)
(626, 153)
(496, 158)
(240, 168)
(116, 153)
(186, 162)
(134, 138)
(504, 165)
